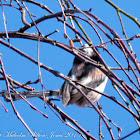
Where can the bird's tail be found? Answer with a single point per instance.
(28, 94)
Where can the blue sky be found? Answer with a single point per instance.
(23, 70)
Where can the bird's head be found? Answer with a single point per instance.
(88, 51)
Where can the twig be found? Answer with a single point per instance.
(130, 134)
(52, 16)
(23, 17)
(55, 31)
(131, 80)
(120, 44)
(123, 12)
(12, 104)
(22, 10)
(73, 19)
(64, 115)
(118, 128)
(17, 84)
(31, 17)
(63, 118)
(33, 107)
(39, 70)
(65, 18)
(4, 19)
(6, 110)
(101, 136)
(90, 23)
(118, 68)
(118, 12)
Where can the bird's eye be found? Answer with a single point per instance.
(88, 51)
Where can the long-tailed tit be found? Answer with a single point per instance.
(87, 75)
(82, 72)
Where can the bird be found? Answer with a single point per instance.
(81, 72)
(87, 75)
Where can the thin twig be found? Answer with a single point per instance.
(128, 42)
(63, 118)
(12, 104)
(17, 84)
(130, 134)
(123, 12)
(64, 115)
(4, 20)
(6, 110)
(118, 68)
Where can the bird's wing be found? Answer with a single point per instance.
(87, 75)
(65, 91)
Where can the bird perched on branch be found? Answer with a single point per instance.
(87, 75)
(82, 72)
